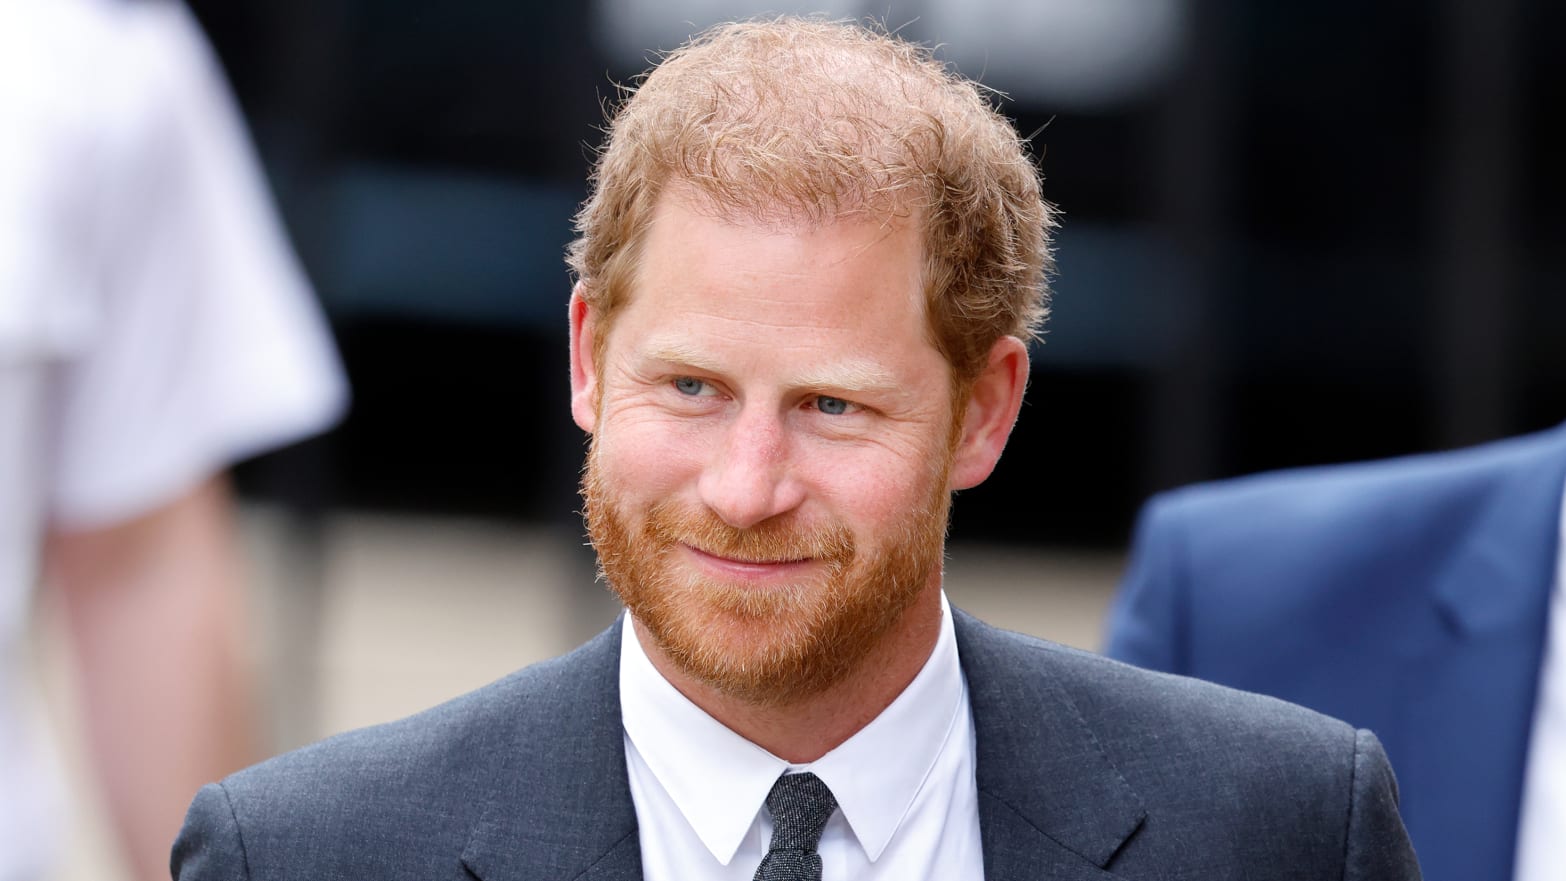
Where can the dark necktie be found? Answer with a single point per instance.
(800, 805)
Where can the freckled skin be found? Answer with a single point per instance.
(766, 307)
(762, 372)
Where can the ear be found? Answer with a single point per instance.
(584, 372)
(993, 404)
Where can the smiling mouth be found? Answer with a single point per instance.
(743, 561)
(743, 564)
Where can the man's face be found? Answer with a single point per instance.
(768, 482)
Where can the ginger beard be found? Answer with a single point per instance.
(778, 645)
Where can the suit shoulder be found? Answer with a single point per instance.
(443, 754)
(1115, 698)
(1334, 494)
(1177, 759)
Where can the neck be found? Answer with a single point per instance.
(805, 730)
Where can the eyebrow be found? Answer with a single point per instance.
(855, 375)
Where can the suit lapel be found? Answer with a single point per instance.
(1469, 713)
(561, 807)
(1015, 849)
(1051, 805)
(1506, 559)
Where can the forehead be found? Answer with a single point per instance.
(857, 274)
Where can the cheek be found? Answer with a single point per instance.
(870, 490)
(644, 460)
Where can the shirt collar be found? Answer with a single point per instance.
(719, 780)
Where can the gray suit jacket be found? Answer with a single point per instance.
(1087, 769)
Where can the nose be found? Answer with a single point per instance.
(749, 478)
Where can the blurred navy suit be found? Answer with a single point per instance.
(1408, 597)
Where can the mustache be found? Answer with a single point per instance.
(779, 540)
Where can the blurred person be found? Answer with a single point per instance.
(805, 281)
(154, 328)
(1418, 597)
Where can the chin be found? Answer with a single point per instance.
(768, 647)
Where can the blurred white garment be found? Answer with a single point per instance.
(154, 325)
(634, 32)
(1542, 826)
(1083, 55)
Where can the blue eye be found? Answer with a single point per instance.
(831, 406)
(685, 385)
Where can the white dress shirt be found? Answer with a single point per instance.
(905, 786)
(1541, 832)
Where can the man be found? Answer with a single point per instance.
(1412, 597)
(154, 328)
(805, 278)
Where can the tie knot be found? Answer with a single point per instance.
(800, 805)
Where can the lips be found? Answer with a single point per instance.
(747, 562)
(747, 569)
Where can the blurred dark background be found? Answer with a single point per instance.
(1295, 232)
